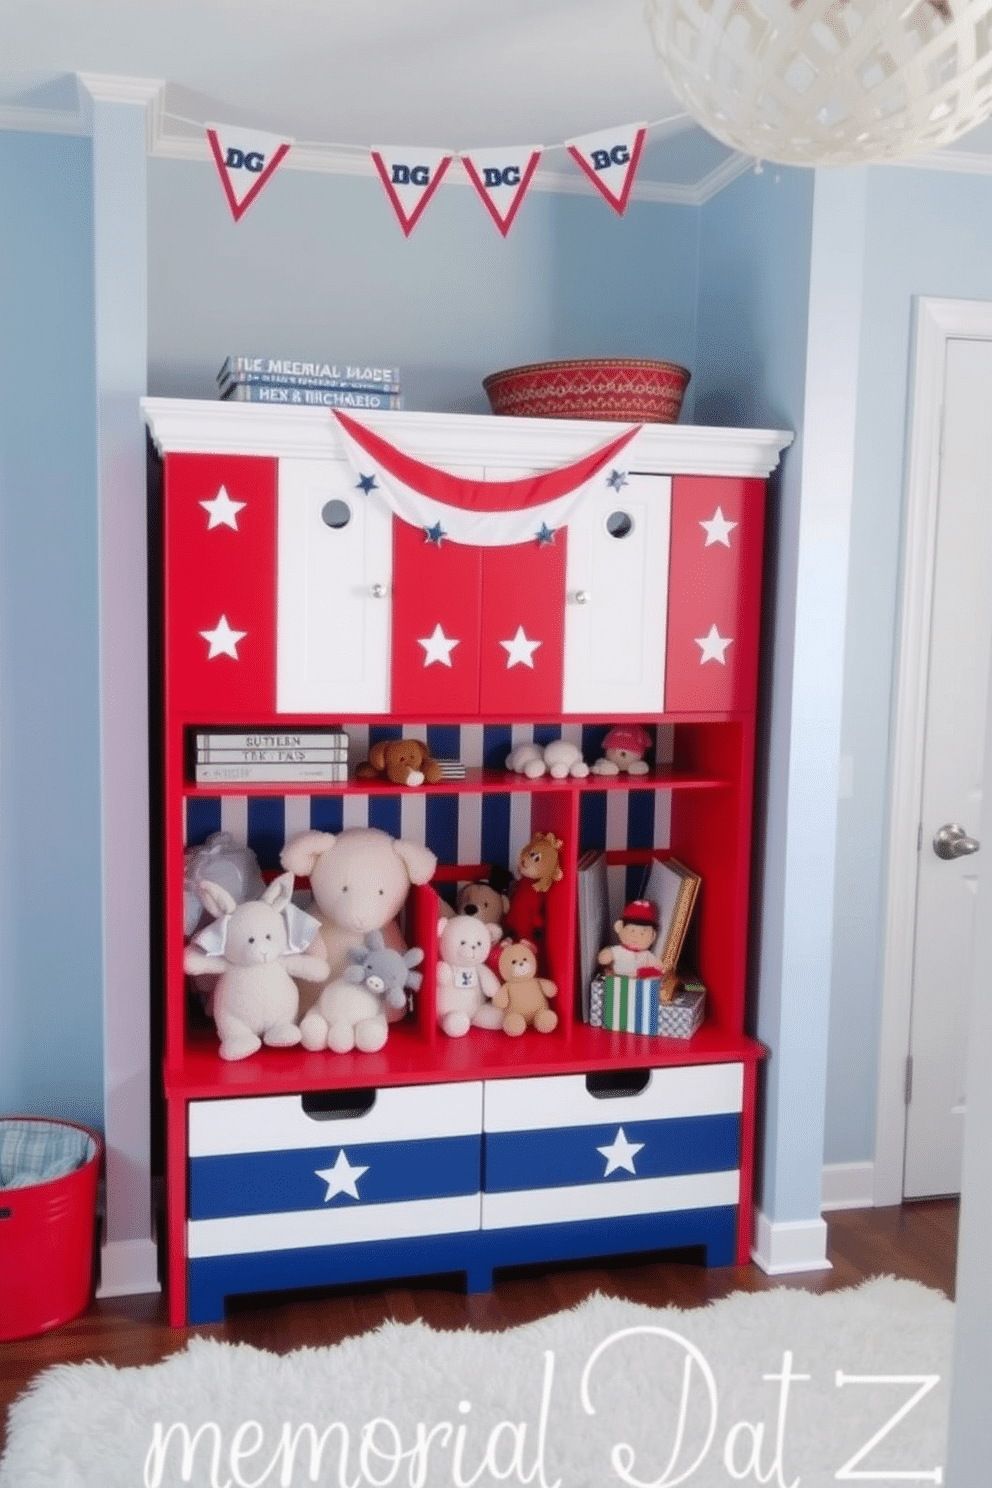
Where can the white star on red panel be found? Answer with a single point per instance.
(713, 646)
(437, 647)
(222, 511)
(223, 640)
(519, 650)
(718, 529)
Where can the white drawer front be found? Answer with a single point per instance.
(565, 1100)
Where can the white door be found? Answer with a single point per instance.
(955, 717)
(334, 580)
(616, 601)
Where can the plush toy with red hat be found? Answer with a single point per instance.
(636, 930)
(624, 749)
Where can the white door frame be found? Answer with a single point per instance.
(936, 322)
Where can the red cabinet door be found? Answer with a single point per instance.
(714, 596)
(220, 583)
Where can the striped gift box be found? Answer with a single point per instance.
(634, 1005)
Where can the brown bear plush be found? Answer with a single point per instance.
(401, 761)
(523, 995)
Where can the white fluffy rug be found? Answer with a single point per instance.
(781, 1387)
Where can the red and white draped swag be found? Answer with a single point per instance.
(478, 574)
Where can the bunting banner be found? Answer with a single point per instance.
(411, 177)
(610, 159)
(501, 178)
(246, 160)
(461, 509)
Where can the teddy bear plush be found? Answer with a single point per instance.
(351, 1012)
(359, 879)
(624, 749)
(538, 867)
(465, 984)
(401, 761)
(523, 995)
(256, 999)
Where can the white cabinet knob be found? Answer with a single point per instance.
(580, 596)
(379, 591)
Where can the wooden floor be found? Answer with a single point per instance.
(918, 1241)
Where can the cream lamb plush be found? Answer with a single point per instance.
(465, 983)
(255, 1000)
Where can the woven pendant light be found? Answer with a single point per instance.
(828, 82)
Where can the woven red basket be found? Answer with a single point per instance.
(613, 388)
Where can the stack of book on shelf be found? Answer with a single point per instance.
(671, 1006)
(318, 384)
(285, 758)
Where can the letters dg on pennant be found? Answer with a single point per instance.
(246, 161)
(411, 177)
(610, 159)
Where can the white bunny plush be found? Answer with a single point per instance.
(255, 1000)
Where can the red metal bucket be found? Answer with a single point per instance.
(47, 1235)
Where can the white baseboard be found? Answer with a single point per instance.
(782, 1248)
(128, 1268)
(848, 1185)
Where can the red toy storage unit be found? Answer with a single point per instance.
(476, 582)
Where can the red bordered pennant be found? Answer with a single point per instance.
(246, 161)
(411, 176)
(501, 178)
(610, 160)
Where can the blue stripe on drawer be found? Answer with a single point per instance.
(282, 1182)
(561, 1157)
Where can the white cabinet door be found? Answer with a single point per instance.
(334, 578)
(616, 606)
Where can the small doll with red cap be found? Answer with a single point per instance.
(636, 930)
(624, 748)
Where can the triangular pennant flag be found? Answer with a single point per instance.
(246, 160)
(501, 177)
(411, 176)
(610, 159)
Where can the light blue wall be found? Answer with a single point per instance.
(318, 266)
(928, 233)
(50, 932)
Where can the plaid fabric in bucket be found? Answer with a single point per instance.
(38, 1151)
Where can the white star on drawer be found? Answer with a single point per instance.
(718, 529)
(713, 646)
(620, 1154)
(519, 650)
(222, 511)
(342, 1178)
(437, 647)
(223, 640)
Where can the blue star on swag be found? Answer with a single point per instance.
(366, 483)
(545, 534)
(435, 534)
(616, 479)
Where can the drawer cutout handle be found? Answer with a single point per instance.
(614, 1083)
(6, 1212)
(337, 1105)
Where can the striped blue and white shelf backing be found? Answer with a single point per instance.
(458, 828)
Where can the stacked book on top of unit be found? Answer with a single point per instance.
(316, 384)
(318, 755)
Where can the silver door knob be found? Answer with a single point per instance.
(379, 591)
(950, 841)
(580, 596)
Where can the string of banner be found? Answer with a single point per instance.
(248, 159)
